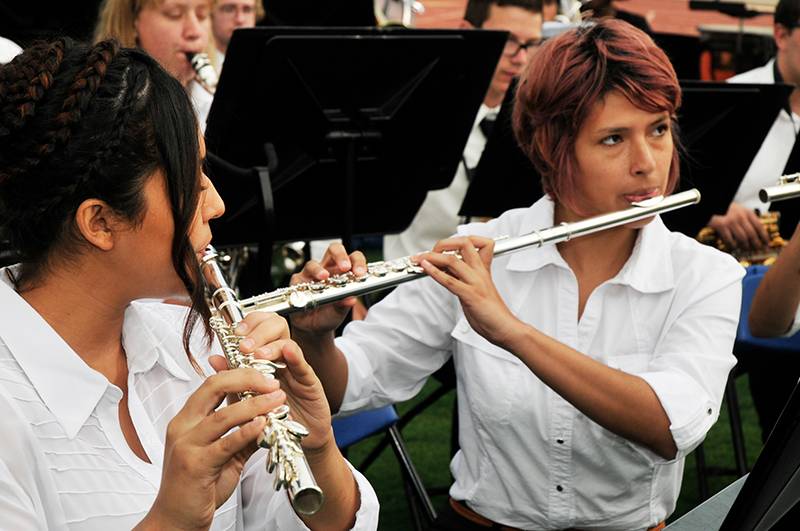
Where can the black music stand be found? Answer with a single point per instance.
(722, 126)
(504, 178)
(768, 497)
(359, 123)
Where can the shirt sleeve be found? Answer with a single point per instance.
(392, 352)
(264, 508)
(689, 369)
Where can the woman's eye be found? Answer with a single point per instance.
(174, 15)
(661, 130)
(611, 140)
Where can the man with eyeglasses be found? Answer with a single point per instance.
(228, 15)
(438, 218)
(771, 380)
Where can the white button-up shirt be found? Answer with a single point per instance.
(772, 156)
(528, 458)
(64, 462)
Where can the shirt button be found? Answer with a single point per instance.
(559, 488)
(709, 411)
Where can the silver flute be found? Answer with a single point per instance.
(204, 71)
(382, 275)
(788, 187)
(281, 436)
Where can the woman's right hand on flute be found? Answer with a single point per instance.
(328, 317)
(202, 461)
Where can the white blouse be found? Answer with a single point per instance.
(528, 458)
(64, 462)
(770, 160)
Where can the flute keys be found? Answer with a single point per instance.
(296, 429)
(279, 413)
(298, 299)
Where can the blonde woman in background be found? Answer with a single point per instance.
(168, 30)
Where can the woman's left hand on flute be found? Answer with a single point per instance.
(602, 393)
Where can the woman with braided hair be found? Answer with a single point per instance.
(167, 30)
(109, 420)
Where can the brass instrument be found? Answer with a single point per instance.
(788, 187)
(382, 275)
(205, 74)
(281, 436)
(770, 220)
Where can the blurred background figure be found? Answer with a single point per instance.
(168, 30)
(438, 217)
(228, 15)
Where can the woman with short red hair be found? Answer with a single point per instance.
(587, 370)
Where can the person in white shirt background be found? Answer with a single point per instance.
(167, 30)
(438, 217)
(229, 15)
(771, 380)
(586, 371)
(111, 419)
(740, 227)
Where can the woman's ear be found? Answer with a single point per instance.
(96, 222)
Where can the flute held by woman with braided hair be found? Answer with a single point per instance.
(110, 418)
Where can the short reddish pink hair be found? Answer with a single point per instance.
(568, 75)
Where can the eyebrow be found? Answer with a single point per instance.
(620, 129)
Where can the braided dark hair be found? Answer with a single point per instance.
(80, 122)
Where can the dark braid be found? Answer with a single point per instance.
(82, 122)
(22, 101)
(23, 82)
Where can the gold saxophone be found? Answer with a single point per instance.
(788, 187)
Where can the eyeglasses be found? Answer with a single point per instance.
(513, 45)
(230, 10)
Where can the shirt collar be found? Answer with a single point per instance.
(69, 388)
(150, 337)
(648, 270)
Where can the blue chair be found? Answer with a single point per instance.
(357, 427)
(744, 339)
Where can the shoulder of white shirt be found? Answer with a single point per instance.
(8, 50)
